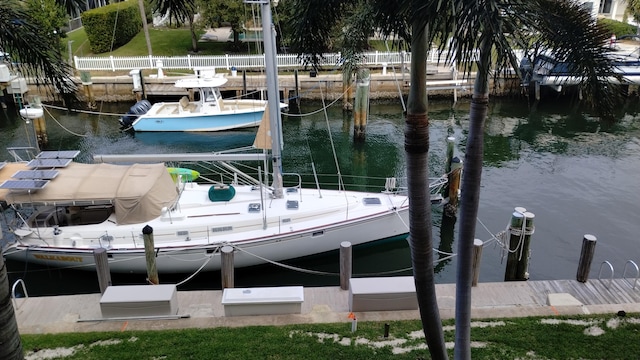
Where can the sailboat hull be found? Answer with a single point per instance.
(189, 259)
(189, 237)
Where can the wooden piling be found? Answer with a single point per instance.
(85, 78)
(227, 267)
(346, 96)
(150, 255)
(453, 185)
(522, 270)
(35, 114)
(477, 256)
(515, 231)
(586, 256)
(450, 150)
(297, 89)
(361, 105)
(244, 84)
(101, 259)
(40, 128)
(346, 264)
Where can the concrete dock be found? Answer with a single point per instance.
(204, 309)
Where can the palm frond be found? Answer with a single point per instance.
(312, 23)
(179, 11)
(32, 54)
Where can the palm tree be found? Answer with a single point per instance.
(495, 28)
(10, 345)
(31, 51)
(34, 55)
(313, 23)
(488, 26)
(633, 9)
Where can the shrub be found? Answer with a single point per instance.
(617, 27)
(112, 26)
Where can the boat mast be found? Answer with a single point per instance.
(273, 93)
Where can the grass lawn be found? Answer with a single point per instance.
(164, 42)
(576, 337)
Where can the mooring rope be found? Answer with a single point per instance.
(62, 126)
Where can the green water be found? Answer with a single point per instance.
(577, 176)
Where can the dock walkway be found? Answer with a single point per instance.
(204, 309)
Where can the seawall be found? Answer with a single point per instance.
(119, 88)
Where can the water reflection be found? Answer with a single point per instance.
(578, 176)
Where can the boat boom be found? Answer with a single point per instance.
(179, 157)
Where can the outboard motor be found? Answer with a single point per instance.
(139, 108)
(526, 70)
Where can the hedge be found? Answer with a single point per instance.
(112, 26)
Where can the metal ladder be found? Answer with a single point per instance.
(13, 292)
(629, 264)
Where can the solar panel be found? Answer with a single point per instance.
(63, 154)
(24, 184)
(48, 163)
(36, 174)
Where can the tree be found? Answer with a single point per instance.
(313, 21)
(73, 7)
(633, 9)
(50, 17)
(31, 50)
(10, 344)
(179, 12)
(216, 13)
(494, 28)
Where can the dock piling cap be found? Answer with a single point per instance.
(520, 209)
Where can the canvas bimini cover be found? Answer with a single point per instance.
(138, 192)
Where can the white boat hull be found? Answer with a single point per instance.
(190, 239)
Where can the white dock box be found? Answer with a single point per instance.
(382, 294)
(5, 75)
(18, 86)
(139, 301)
(263, 301)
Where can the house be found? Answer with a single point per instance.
(608, 9)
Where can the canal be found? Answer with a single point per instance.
(576, 175)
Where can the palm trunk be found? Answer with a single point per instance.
(470, 199)
(194, 37)
(416, 144)
(10, 345)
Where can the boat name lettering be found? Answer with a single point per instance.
(222, 228)
(58, 257)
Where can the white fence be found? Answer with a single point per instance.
(114, 63)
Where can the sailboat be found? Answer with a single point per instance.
(64, 210)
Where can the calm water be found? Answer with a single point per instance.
(576, 176)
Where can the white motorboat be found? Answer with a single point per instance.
(210, 113)
(546, 70)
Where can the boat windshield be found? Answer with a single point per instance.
(210, 95)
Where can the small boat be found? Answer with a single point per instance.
(210, 113)
(546, 70)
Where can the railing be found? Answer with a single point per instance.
(600, 272)
(13, 292)
(114, 63)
